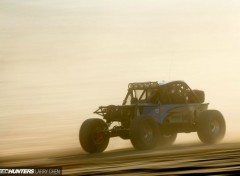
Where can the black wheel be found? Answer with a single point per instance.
(93, 135)
(144, 133)
(167, 139)
(211, 127)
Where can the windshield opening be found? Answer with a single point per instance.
(141, 96)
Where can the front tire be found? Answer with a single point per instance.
(144, 133)
(211, 127)
(93, 136)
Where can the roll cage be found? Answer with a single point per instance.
(177, 92)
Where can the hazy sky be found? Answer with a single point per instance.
(69, 56)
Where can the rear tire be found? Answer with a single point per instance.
(167, 139)
(93, 135)
(211, 127)
(144, 133)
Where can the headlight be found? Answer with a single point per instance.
(130, 86)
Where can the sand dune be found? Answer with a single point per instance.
(190, 158)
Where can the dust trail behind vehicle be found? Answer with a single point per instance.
(60, 60)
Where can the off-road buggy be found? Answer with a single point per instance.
(152, 114)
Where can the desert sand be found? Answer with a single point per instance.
(189, 158)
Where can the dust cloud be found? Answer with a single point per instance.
(60, 60)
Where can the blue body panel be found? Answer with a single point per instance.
(161, 112)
